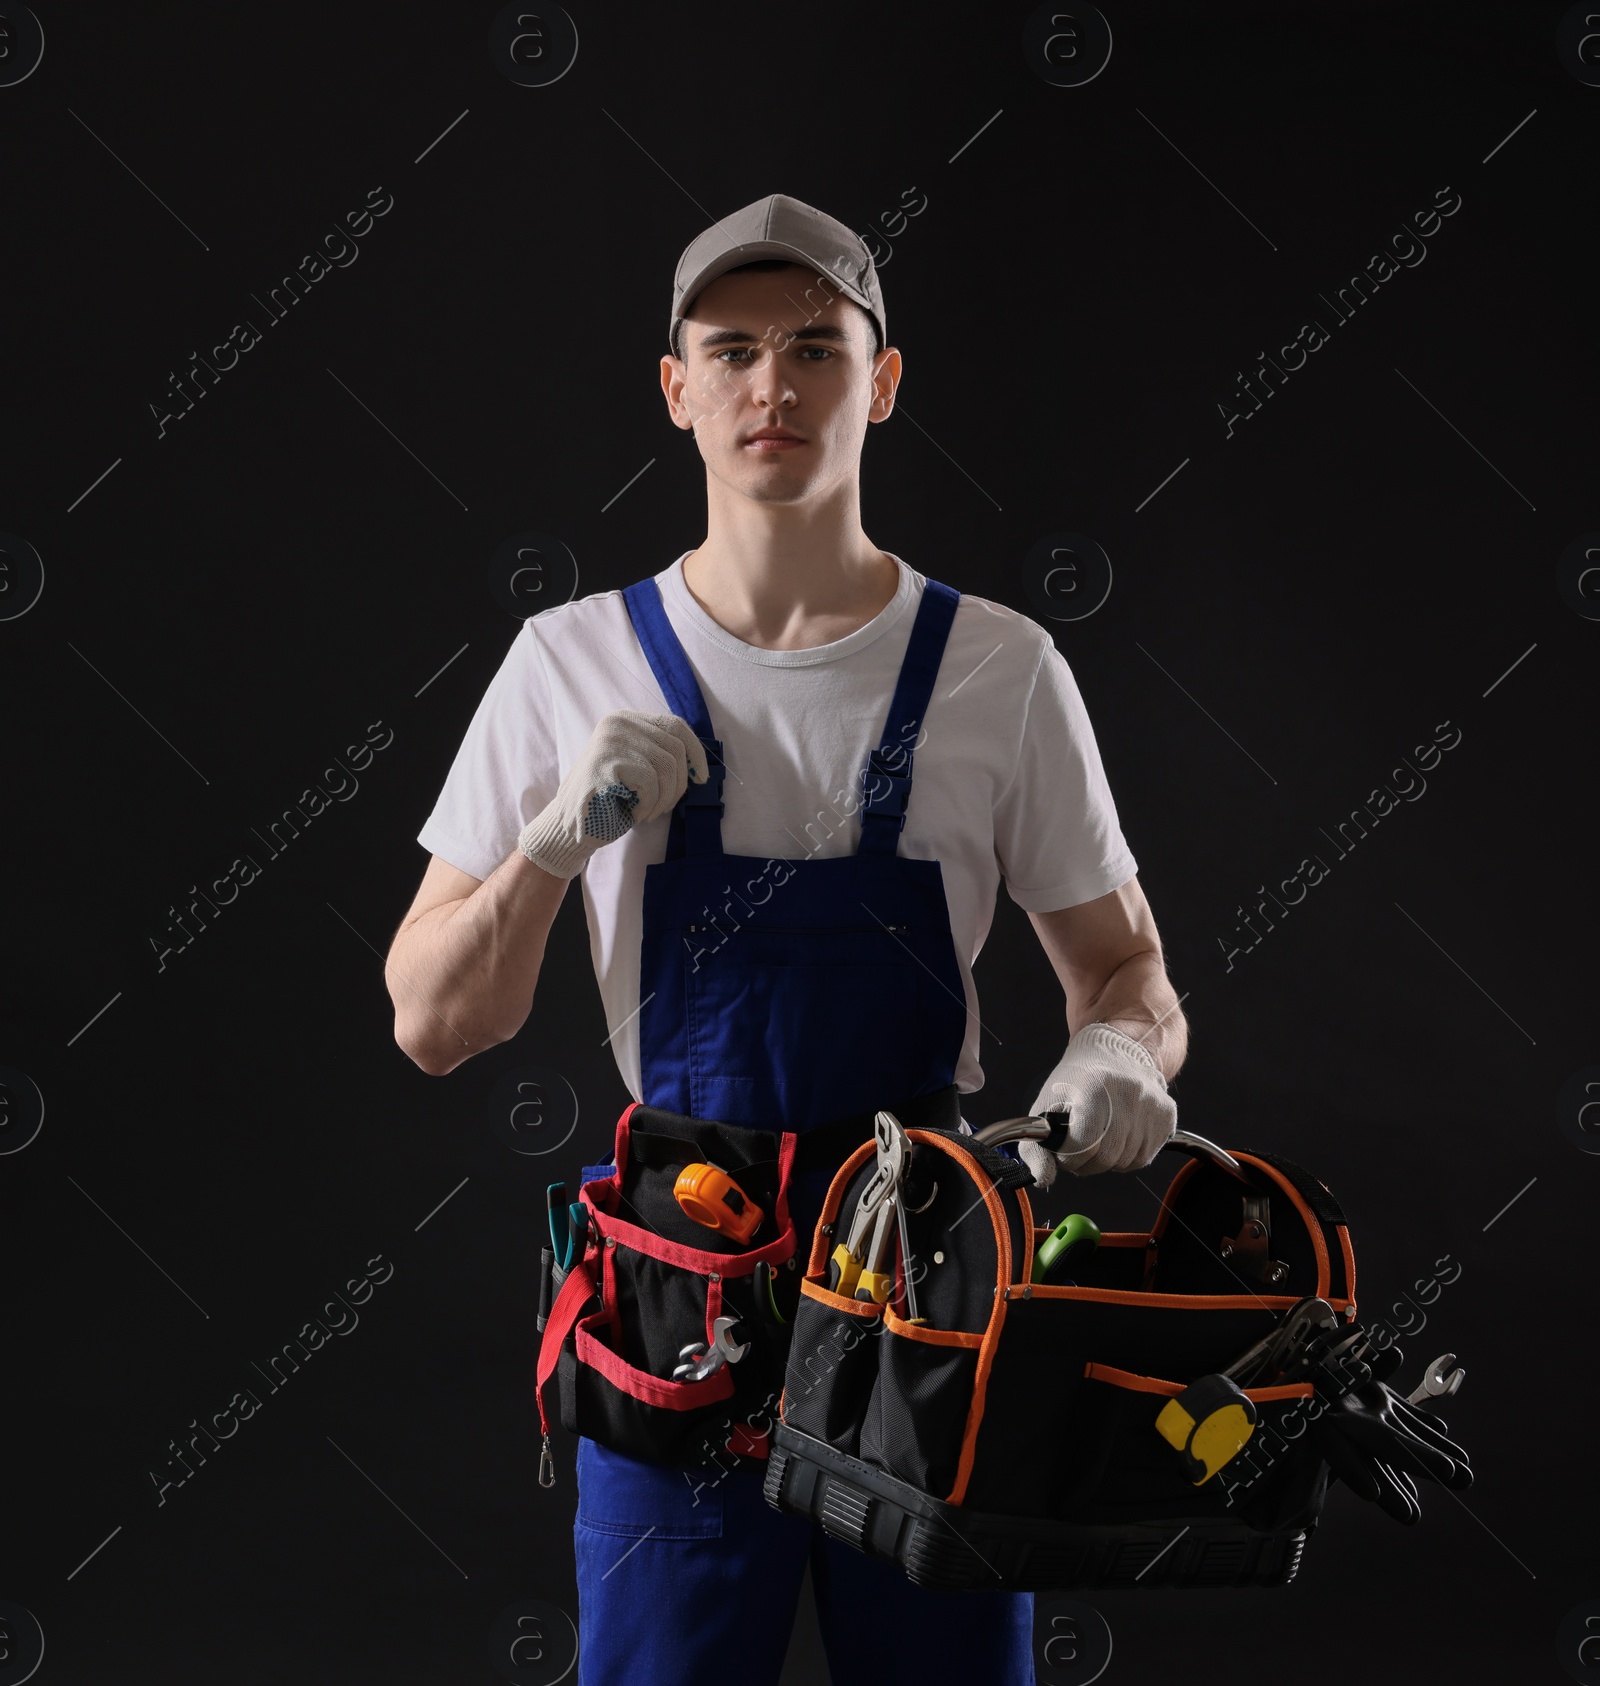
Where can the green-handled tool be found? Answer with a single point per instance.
(1073, 1229)
(569, 1221)
(555, 1200)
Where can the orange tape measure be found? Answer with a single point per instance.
(712, 1198)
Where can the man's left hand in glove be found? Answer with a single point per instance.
(1121, 1111)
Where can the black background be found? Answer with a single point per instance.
(1301, 605)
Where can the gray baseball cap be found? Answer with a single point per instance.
(779, 227)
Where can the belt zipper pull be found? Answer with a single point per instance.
(547, 1466)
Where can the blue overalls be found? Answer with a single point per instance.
(781, 994)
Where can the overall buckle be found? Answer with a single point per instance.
(884, 791)
(709, 794)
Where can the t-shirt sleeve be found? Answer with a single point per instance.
(506, 769)
(1056, 835)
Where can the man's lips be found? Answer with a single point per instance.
(772, 442)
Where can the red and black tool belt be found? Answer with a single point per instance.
(650, 1281)
(1034, 1405)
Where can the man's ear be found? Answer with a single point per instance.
(885, 381)
(673, 378)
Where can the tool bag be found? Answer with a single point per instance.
(649, 1280)
(1008, 1439)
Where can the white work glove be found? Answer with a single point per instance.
(634, 767)
(1121, 1111)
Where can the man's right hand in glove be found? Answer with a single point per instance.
(1121, 1113)
(634, 767)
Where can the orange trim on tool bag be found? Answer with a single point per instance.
(1179, 1178)
(1108, 1238)
(1026, 1205)
(1127, 1378)
(821, 1246)
(897, 1325)
(990, 1338)
(1348, 1257)
(1194, 1302)
(1309, 1218)
(1281, 1184)
(1155, 1384)
(813, 1289)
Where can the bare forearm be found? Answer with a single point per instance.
(462, 975)
(1138, 1000)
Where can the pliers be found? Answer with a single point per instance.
(856, 1269)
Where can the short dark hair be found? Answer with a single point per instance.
(779, 263)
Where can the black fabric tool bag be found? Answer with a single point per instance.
(650, 1281)
(1022, 1415)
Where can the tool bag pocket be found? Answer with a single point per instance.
(651, 1281)
(905, 1400)
(1126, 1472)
(833, 1356)
(916, 1420)
(833, 1360)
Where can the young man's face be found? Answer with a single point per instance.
(778, 349)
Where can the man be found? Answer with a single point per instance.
(784, 640)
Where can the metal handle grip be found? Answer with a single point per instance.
(1052, 1131)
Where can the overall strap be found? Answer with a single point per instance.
(886, 778)
(696, 826)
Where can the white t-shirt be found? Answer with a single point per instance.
(1007, 781)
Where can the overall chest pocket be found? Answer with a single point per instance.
(794, 1024)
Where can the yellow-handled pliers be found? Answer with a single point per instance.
(856, 1269)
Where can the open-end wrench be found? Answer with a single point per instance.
(724, 1350)
(1439, 1381)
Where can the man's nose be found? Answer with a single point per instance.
(769, 382)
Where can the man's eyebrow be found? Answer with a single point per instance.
(738, 336)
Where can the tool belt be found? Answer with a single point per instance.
(1009, 1437)
(648, 1282)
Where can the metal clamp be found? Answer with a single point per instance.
(1250, 1248)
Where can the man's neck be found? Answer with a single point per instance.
(782, 579)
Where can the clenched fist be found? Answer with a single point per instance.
(1121, 1111)
(634, 767)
